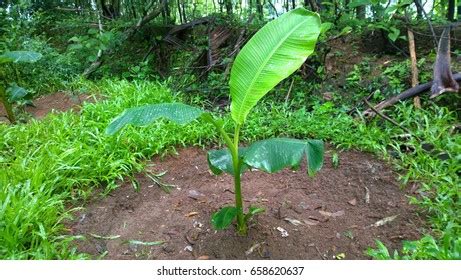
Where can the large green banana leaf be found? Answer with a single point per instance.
(270, 155)
(144, 115)
(272, 54)
(20, 56)
(273, 155)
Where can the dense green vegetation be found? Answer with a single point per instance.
(50, 167)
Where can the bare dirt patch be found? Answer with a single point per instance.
(334, 214)
(59, 102)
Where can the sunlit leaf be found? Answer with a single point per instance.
(144, 115)
(20, 56)
(271, 55)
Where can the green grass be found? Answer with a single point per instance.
(49, 167)
(47, 164)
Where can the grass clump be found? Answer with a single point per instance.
(46, 164)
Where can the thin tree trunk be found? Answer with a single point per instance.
(259, 9)
(419, 10)
(184, 8)
(451, 10)
(314, 5)
(273, 7)
(229, 7)
(180, 12)
(414, 66)
(361, 11)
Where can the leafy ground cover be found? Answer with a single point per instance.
(49, 167)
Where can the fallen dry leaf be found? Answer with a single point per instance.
(334, 215)
(384, 221)
(293, 221)
(191, 214)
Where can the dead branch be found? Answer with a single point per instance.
(414, 91)
(237, 45)
(387, 118)
(127, 34)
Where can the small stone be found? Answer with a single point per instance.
(352, 202)
(283, 231)
(327, 96)
(312, 203)
(204, 257)
(266, 253)
(188, 248)
(197, 224)
(195, 194)
(168, 248)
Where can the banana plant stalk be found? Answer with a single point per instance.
(7, 105)
(271, 55)
(14, 93)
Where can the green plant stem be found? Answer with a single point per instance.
(7, 105)
(241, 225)
(233, 148)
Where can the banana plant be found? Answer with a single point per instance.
(271, 55)
(14, 92)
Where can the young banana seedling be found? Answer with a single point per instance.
(271, 55)
(13, 93)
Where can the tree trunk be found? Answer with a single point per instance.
(459, 10)
(361, 10)
(166, 13)
(313, 4)
(451, 10)
(414, 66)
(229, 7)
(419, 10)
(184, 8)
(180, 12)
(259, 9)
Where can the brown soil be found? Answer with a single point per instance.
(59, 102)
(331, 207)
